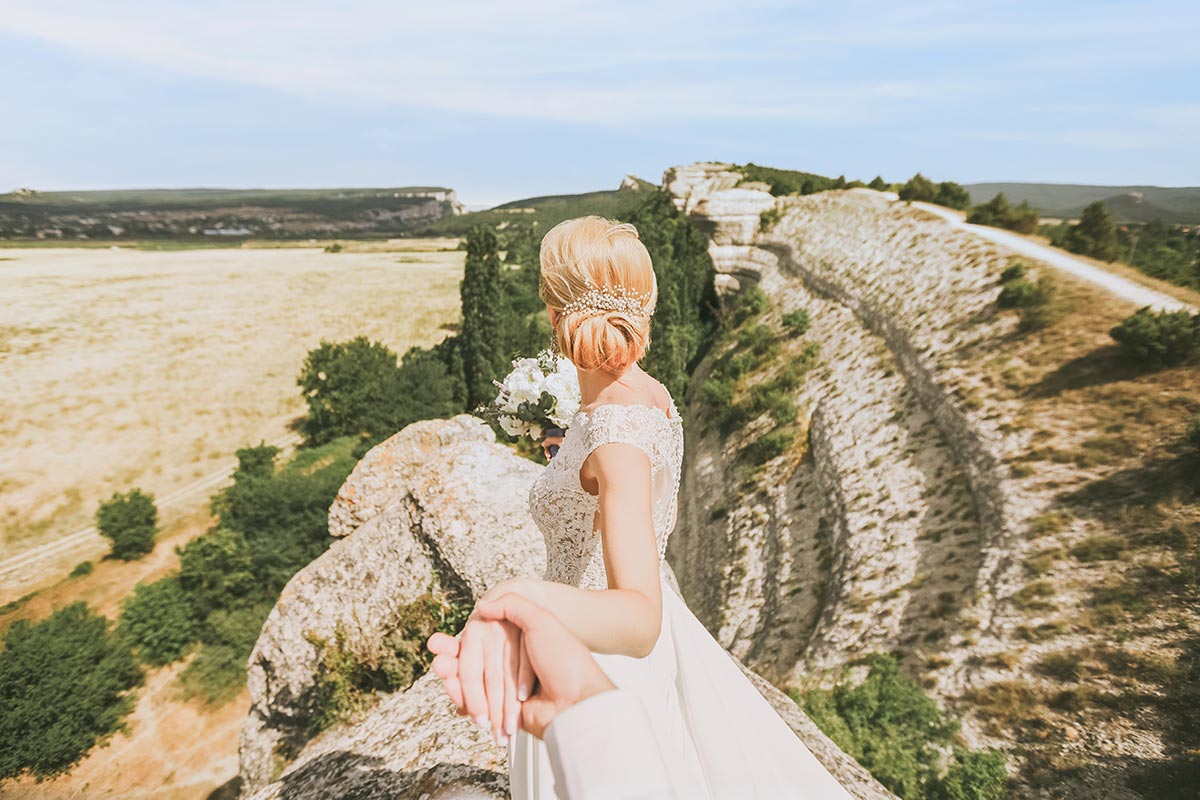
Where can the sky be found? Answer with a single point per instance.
(505, 100)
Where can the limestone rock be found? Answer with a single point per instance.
(440, 504)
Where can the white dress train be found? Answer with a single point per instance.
(721, 738)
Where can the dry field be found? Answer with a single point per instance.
(129, 367)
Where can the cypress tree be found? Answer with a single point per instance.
(482, 292)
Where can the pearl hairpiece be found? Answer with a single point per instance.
(617, 298)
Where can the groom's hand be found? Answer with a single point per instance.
(565, 669)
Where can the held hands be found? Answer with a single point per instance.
(564, 668)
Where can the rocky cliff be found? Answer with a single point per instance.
(955, 487)
(441, 505)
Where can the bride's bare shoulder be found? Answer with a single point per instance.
(648, 392)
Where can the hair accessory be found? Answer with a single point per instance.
(617, 298)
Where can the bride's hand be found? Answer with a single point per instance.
(489, 667)
(552, 437)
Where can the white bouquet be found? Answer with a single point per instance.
(539, 395)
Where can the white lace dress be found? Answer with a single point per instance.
(722, 739)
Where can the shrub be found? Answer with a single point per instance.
(81, 569)
(1101, 547)
(890, 727)
(1012, 272)
(333, 248)
(749, 303)
(918, 188)
(159, 621)
(1095, 235)
(952, 195)
(1158, 339)
(129, 521)
(796, 321)
(717, 393)
(218, 672)
(999, 213)
(345, 683)
(64, 685)
(770, 445)
(769, 218)
(974, 775)
(1020, 293)
(215, 571)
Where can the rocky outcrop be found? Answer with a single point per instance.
(440, 504)
(426, 508)
(895, 526)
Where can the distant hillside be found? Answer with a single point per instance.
(210, 213)
(549, 210)
(1178, 205)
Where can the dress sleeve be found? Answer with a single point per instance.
(626, 424)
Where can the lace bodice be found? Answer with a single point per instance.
(565, 512)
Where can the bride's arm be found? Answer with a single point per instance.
(626, 617)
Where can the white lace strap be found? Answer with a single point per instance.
(636, 425)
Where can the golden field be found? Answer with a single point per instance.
(141, 368)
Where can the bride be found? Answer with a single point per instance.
(606, 505)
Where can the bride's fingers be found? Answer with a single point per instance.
(445, 665)
(524, 672)
(493, 678)
(454, 692)
(470, 673)
(440, 643)
(512, 658)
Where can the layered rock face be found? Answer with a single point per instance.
(439, 504)
(935, 504)
(901, 503)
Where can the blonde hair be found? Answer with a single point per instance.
(594, 252)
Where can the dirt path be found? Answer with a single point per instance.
(36, 565)
(1122, 287)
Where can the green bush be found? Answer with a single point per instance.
(1013, 272)
(999, 213)
(1158, 339)
(796, 321)
(218, 672)
(749, 303)
(357, 388)
(215, 571)
(974, 775)
(770, 445)
(345, 685)
(129, 521)
(890, 727)
(81, 569)
(1095, 235)
(1037, 302)
(282, 515)
(919, 188)
(64, 685)
(159, 620)
(1020, 293)
(952, 195)
(769, 218)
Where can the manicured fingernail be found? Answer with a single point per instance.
(483, 722)
(510, 724)
(502, 739)
(522, 694)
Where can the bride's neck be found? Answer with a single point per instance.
(596, 382)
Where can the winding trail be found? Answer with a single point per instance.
(1120, 286)
(10, 566)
